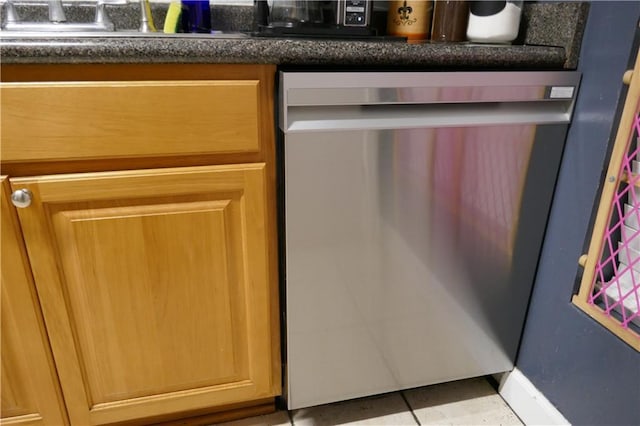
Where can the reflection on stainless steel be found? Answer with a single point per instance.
(389, 87)
(386, 95)
(410, 252)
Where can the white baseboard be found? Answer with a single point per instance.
(527, 401)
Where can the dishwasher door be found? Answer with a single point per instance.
(413, 213)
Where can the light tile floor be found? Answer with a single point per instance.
(465, 402)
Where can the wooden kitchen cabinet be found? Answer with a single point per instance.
(30, 393)
(157, 284)
(150, 235)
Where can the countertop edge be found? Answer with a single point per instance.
(298, 52)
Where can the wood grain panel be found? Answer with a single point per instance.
(164, 307)
(29, 393)
(137, 72)
(158, 275)
(93, 120)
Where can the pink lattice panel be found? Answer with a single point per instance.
(616, 285)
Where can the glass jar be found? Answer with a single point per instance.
(449, 20)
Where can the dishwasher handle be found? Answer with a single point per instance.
(380, 117)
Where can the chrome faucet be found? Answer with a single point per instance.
(57, 19)
(11, 15)
(146, 20)
(56, 12)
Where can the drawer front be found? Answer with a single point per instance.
(93, 120)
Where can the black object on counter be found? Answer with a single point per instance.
(314, 18)
(311, 30)
(260, 14)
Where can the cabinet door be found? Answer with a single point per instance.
(154, 287)
(30, 393)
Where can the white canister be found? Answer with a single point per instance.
(494, 21)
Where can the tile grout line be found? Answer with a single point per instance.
(404, 398)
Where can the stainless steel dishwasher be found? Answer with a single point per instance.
(412, 217)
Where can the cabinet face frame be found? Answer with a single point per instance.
(29, 379)
(53, 278)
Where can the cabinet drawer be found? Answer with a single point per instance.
(94, 120)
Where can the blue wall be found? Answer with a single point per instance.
(591, 376)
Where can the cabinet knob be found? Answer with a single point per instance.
(21, 198)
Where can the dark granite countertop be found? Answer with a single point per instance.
(552, 35)
(278, 51)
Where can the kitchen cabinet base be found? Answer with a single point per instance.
(212, 416)
(197, 328)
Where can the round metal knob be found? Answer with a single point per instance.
(21, 198)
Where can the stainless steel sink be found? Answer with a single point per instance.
(15, 25)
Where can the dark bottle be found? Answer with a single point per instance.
(449, 20)
(196, 16)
